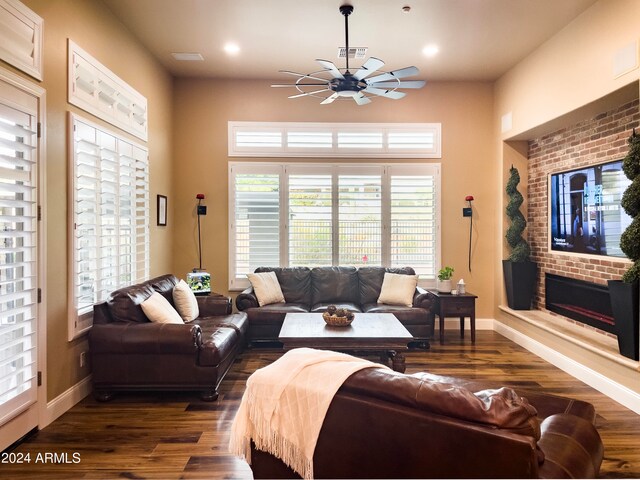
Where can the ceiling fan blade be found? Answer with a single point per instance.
(360, 99)
(329, 99)
(385, 93)
(368, 68)
(308, 93)
(408, 84)
(403, 72)
(279, 85)
(302, 75)
(331, 68)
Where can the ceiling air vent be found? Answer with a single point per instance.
(187, 57)
(354, 52)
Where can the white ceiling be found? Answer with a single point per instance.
(479, 40)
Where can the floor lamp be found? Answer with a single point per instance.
(198, 279)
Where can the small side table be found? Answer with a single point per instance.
(448, 305)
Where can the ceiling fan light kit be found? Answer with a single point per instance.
(358, 85)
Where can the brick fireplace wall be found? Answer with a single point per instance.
(598, 140)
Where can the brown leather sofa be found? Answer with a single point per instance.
(128, 352)
(383, 424)
(313, 290)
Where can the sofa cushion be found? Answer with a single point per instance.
(332, 285)
(322, 307)
(124, 304)
(398, 289)
(159, 310)
(406, 315)
(237, 321)
(164, 285)
(274, 314)
(295, 283)
(185, 301)
(370, 281)
(266, 287)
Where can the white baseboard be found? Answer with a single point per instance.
(454, 323)
(66, 400)
(608, 387)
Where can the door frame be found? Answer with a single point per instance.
(40, 411)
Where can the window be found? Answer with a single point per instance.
(310, 221)
(110, 205)
(372, 140)
(347, 214)
(360, 216)
(256, 226)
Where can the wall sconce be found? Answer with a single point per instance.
(468, 212)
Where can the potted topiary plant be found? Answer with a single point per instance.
(519, 271)
(444, 279)
(624, 293)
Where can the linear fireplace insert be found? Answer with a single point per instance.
(582, 301)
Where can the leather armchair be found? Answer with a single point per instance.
(128, 352)
(383, 424)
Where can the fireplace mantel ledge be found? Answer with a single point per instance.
(595, 342)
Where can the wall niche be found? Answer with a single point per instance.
(599, 139)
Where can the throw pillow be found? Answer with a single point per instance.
(266, 287)
(398, 289)
(159, 310)
(185, 301)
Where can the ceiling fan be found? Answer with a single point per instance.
(344, 84)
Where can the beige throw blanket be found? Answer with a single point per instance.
(284, 405)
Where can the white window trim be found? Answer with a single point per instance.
(30, 63)
(85, 69)
(239, 283)
(335, 151)
(80, 324)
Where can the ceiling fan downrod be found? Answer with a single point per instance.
(346, 10)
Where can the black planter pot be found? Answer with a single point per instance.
(520, 283)
(624, 304)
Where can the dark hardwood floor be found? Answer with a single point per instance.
(176, 435)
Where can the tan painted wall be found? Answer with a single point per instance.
(570, 70)
(93, 27)
(566, 80)
(203, 107)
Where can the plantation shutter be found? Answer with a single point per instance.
(360, 216)
(111, 223)
(413, 219)
(18, 255)
(256, 219)
(310, 218)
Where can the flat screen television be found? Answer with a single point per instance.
(585, 212)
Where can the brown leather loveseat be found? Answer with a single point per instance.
(128, 352)
(383, 424)
(312, 290)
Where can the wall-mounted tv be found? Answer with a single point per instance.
(585, 212)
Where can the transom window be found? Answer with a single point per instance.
(330, 140)
(346, 214)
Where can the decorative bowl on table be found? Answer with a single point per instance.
(337, 317)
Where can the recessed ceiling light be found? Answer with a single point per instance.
(232, 48)
(430, 50)
(188, 57)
